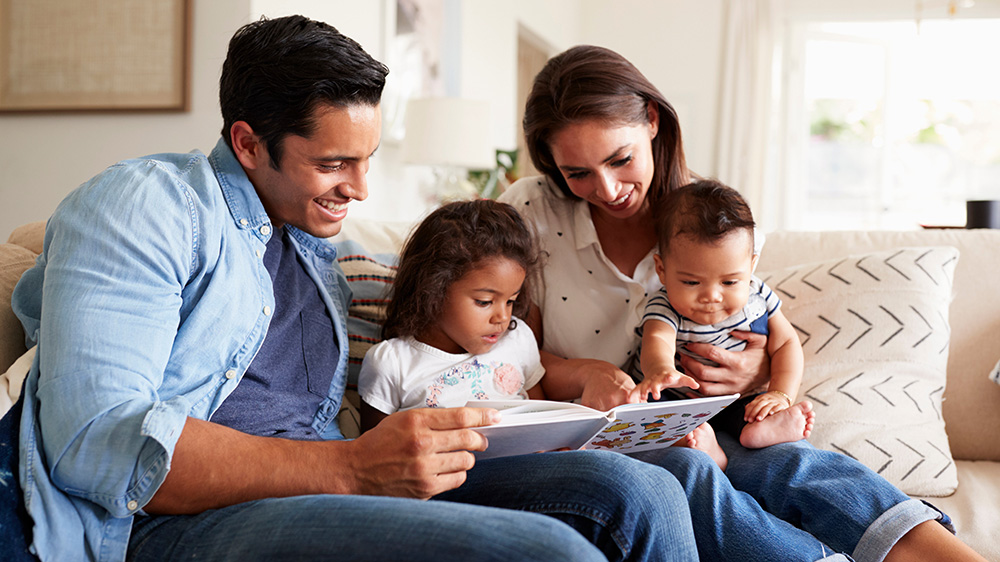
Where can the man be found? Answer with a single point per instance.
(192, 353)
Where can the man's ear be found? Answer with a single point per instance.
(247, 146)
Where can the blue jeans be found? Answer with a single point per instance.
(729, 524)
(832, 496)
(15, 524)
(790, 502)
(599, 506)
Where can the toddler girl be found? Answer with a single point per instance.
(450, 331)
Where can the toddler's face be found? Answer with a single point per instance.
(477, 308)
(708, 282)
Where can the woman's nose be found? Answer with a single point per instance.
(607, 187)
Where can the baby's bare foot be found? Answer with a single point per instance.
(703, 439)
(790, 424)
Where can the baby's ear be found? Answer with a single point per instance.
(753, 263)
(658, 266)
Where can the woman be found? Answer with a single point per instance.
(609, 146)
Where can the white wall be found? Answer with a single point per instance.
(675, 43)
(489, 51)
(45, 156)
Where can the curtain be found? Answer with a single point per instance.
(749, 42)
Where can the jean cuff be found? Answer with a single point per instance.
(836, 558)
(881, 535)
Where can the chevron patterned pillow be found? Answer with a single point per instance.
(875, 332)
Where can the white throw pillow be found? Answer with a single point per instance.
(874, 330)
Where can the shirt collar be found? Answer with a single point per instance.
(584, 231)
(241, 197)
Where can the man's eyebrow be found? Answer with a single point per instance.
(343, 158)
(613, 156)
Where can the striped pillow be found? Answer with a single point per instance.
(370, 278)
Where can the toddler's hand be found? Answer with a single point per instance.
(668, 378)
(765, 405)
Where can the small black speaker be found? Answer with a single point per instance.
(982, 214)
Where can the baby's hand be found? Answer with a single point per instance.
(765, 405)
(667, 378)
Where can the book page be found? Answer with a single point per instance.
(652, 425)
(528, 412)
(531, 426)
(538, 437)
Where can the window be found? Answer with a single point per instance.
(891, 125)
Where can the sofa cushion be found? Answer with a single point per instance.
(875, 332)
(970, 400)
(14, 260)
(975, 506)
(30, 236)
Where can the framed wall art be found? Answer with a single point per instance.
(76, 55)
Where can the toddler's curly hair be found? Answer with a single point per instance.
(450, 242)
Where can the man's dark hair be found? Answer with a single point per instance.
(277, 71)
(705, 211)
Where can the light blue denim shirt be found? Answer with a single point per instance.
(155, 301)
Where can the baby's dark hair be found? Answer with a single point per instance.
(706, 210)
(450, 242)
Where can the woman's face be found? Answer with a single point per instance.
(609, 166)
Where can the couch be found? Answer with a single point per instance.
(939, 424)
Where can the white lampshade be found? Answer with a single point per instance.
(449, 132)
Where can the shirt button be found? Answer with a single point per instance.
(258, 253)
(231, 374)
(132, 505)
(267, 311)
(244, 222)
(265, 230)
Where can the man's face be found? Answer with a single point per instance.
(320, 175)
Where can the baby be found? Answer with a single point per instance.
(706, 259)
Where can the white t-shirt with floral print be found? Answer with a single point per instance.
(402, 373)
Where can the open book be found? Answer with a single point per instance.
(530, 426)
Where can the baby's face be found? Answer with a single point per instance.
(708, 282)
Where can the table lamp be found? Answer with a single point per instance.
(453, 135)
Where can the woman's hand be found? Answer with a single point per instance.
(738, 371)
(606, 386)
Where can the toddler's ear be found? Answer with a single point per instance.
(753, 263)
